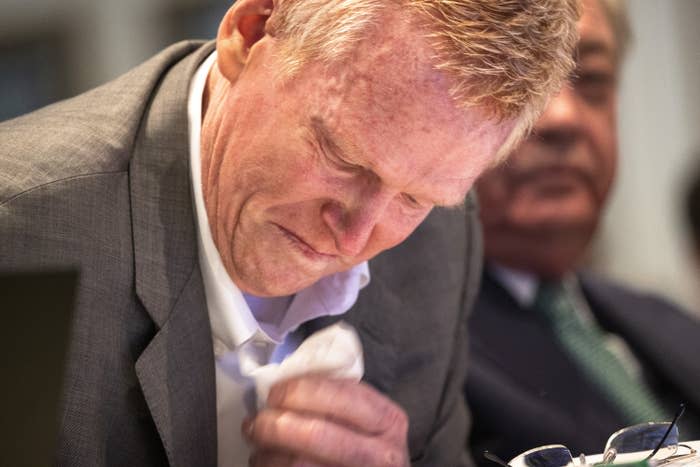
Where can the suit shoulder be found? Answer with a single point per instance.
(610, 291)
(88, 134)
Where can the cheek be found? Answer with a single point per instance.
(283, 173)
(604, 141)
(493, 193)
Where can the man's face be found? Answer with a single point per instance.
(314, 175)
(541, 207)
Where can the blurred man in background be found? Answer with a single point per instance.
(218, 202)
(559, 355)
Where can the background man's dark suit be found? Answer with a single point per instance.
(518, 371)
(112, 195)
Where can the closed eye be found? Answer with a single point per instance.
(412, 201)
(342, 164)
(325, 144)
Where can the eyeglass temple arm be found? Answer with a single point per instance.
(494, 458)
(681, 409)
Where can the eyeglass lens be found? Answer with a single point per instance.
(642, 438)
(545, 456)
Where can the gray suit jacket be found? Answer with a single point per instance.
(101, 182)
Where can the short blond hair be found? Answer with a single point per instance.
(508, 56)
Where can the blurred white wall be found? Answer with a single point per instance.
(643, 240)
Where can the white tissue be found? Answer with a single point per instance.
(335, 351)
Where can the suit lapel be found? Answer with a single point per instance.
(664, 338)
(176, 371)
(378, 331)
(505, 339)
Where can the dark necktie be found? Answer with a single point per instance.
(584, 342)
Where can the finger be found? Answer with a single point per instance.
(356, 405)
(322, 440)
(270, 459)
(278, 459)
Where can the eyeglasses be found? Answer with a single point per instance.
(655, 441)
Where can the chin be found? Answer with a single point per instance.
(555, 269)
(549, 263)
(276, 285)
(274, 271)
(563, 219)
(270, 280)
(548, 249)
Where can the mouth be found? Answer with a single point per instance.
(556, 175)
(558, 182)
(304, 247)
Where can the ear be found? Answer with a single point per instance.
(242, 26)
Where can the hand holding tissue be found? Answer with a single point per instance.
(318, 412)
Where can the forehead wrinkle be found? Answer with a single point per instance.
(387, 53)
(363, 78)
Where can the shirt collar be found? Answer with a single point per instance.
(230, 316)
(521, 285)
(330, 296)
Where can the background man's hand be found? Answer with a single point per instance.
(318, 421)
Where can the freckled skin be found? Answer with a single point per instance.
(282, 213)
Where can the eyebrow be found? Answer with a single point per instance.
(325, 138)
(594, 47)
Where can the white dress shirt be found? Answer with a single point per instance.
(244, 337)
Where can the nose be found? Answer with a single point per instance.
(560, 124)
(353, 221)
